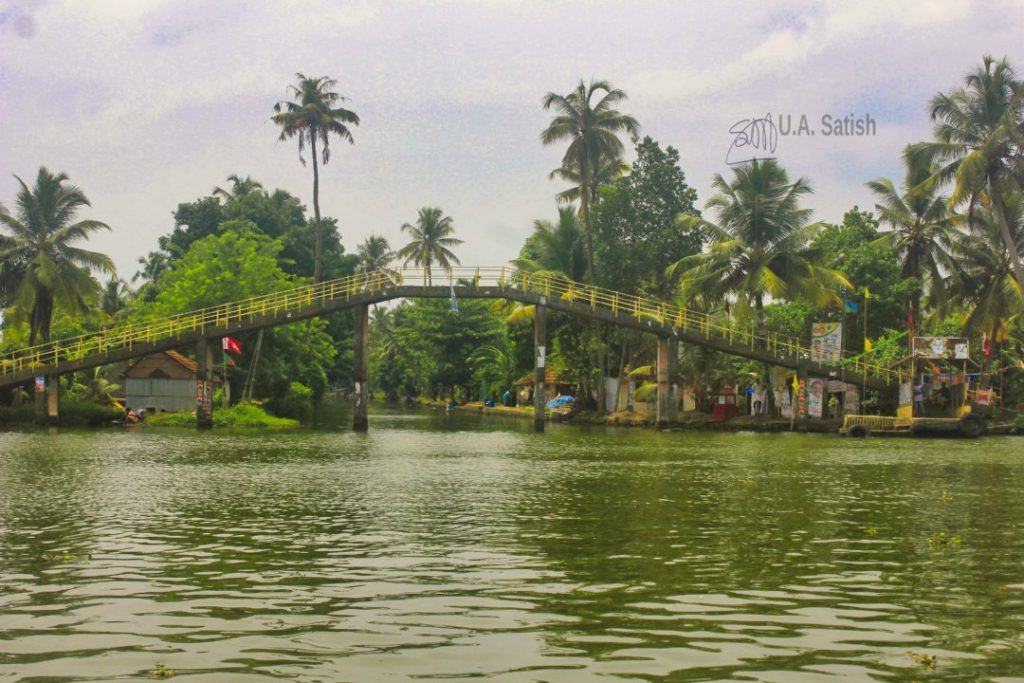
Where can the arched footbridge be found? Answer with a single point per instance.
(670, 323)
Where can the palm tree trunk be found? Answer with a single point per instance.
(1004, 230)
(316, 208)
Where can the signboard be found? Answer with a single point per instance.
(40, 385)
(540, 356)
(815, 396)
(826, 342)
(942, 348)
(802, 400)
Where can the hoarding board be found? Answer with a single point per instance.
(826, 342)
(942, 348)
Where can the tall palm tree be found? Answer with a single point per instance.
(313, 116)
(760, 246)
(592, 130)
(979, 133)
(240, 187)
(981, 282)
(431, 239)
(115, 296)
(922, 229)
(53, 271)
(374, 254)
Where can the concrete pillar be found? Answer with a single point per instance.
(53, 399)
(664, 388)
(39, 398)
(540, 333)
(204, 384)
(360, 368)
(673, 378)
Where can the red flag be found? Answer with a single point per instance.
(231, 345)
(986, 346)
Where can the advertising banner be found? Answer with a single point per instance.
(815, 396)
(942, 348)
(826, 342)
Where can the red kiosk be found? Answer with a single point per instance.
(725, 404)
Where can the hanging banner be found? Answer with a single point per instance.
(40, 385)
(785, 401)
(826, 342)
(802, 400)
(942, 348)
(815, 396)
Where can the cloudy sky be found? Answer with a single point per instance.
(149, 103)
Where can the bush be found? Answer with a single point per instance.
(297, 404)
(17, 414)
(243, 415)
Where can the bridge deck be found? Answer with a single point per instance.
(137, 339)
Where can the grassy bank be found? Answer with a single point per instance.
(242, 416)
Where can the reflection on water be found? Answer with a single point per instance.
(455, 548)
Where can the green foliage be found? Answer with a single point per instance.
(635, 229)
(870, 264)
(42, 269)
(296, 403)
(242, 416)
(75, 412)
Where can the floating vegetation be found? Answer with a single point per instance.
(871, 530)
(945, 497)
(161, 671)
(941, 539)
(923, 659)
(58, 557)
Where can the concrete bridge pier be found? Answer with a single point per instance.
(53, 399)
(360, 368)
(204, 384)
(540, 332)
(666, 416)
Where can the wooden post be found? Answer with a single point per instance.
(204, 384)
(360, 368)
(664, 390)
(540, 372)
(53, 399)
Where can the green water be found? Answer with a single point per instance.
(451, 548)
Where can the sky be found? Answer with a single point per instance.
(146, 104)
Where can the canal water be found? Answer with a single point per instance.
(460, 548)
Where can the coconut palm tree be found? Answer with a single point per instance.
(374, 254)
(312, 117)
(115, 296)
(592, 130)
(431, 239)
(922, 231)
(52, 271)
(979, 131)
(981, 281)
(760, 245)
(240, 187)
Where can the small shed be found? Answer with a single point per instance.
(725, 404)
(164, 381)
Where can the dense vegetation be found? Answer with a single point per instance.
(939, 253)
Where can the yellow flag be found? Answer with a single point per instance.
(796, 384)
(867, 294)
(867, 345)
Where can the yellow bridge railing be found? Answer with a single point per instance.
(298, 299)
